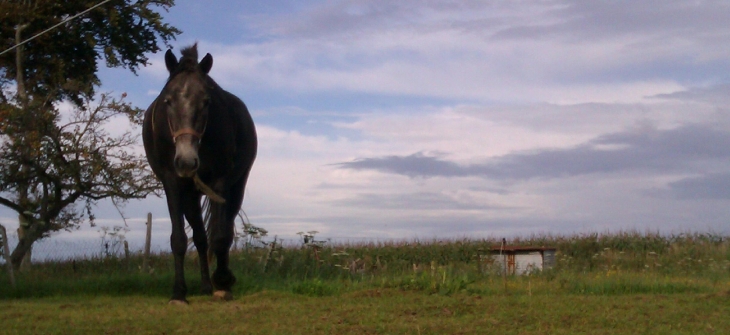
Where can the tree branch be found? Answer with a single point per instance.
(11, 205)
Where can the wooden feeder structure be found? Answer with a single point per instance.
(522, 260)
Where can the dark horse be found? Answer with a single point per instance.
(200, 140)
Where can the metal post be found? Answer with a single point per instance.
(147, 242)
(6, 253)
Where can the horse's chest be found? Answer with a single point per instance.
(216, 160)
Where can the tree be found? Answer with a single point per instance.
(66, 157)
(52, 159)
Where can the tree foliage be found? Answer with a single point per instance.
(62, 64)
(54, 157)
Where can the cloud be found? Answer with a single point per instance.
(432, 201)
(711, 186)
(607, 18)
(644, 149)
(415, 165)
(717, 95)
(562, 52)
(530, 51)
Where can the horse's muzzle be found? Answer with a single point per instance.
(186, 160)
(186, 166)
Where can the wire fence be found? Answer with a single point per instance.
(51, 250)
(110, 245)
(112, 242)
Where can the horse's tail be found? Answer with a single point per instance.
(207, 215)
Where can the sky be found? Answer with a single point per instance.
(451, 119)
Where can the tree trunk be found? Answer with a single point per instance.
(26, 260)
(24, 246)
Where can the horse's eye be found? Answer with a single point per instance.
(167, 101)
(206, 101)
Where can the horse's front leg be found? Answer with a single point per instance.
(178, 243)
(195, 218)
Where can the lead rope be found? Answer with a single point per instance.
(207, 190)
(199, 184)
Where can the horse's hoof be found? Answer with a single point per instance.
(176, 302)
(223, 295)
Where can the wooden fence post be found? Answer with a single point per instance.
(147, 242)
(6, 254)
(504, 263)
(126, 255)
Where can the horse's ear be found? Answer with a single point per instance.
(206, 63)
(170, 61)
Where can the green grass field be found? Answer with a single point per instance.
(625, 283)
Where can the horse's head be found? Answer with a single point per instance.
(187, 100)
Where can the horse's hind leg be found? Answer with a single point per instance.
(195, 219)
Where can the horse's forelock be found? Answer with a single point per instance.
(190, 52)
(189, 59)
